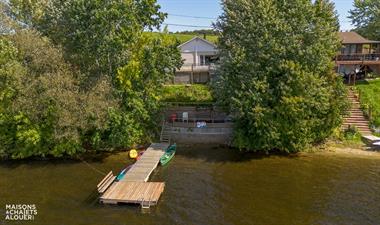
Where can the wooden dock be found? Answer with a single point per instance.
(134, 188)
(144, 193)
(142, 169)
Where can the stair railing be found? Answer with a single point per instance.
(162, 128)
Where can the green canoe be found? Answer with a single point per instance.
(169, 154)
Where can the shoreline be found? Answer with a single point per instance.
(328, 149)
(353, 149)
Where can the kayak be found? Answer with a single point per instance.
(133, 154)
(169, 154)
(123, 172)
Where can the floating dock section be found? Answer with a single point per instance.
(134, 188)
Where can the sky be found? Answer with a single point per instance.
(209, 10)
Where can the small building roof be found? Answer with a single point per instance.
(198, 38)
(198, 44)
(354, 38)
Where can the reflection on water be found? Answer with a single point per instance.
(206, 185)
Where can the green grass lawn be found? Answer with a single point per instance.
(196, 93)
(370, 97)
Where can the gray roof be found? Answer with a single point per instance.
(354, 38)
(199, 38)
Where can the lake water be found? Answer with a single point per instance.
(205, 186)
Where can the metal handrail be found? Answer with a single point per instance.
(201, 119)
(198, 64)
(162, 128)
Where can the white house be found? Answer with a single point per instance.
(199, 57)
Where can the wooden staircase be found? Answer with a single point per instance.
(165, 133)
(356, 117)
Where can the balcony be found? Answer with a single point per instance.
(197, 67)
(358, 58)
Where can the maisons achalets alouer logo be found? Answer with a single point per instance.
(20, 211)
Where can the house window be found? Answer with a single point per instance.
(343, 50)
(208, 59)
(203, 60)
(353, 49)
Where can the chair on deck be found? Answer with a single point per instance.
(185, 117)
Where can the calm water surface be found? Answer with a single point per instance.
(206, 186)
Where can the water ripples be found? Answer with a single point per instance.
(210, 186)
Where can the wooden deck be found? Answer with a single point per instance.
(143, 193)
(134, 188)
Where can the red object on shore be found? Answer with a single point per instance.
(140, 154)
(173, 117)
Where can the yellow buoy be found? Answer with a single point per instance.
(133, 154)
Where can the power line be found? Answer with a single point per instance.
(186, 25)
(197, 17)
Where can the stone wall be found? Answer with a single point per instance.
(208, 135)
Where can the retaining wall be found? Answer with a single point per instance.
(218, 129)
(207, 135)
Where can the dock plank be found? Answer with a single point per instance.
(106, 184)
(104, 179)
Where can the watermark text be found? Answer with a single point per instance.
(20, 211)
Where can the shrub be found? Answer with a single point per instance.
(352, 134)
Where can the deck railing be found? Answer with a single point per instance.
(197, 104)
(203, 67)
(198, 123)
(200, 119)
(358, 57)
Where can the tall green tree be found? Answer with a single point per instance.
(91, 76)
(366, 18)
(43, 111)
(141, 80)
(276, 75)
(108, 38)
(97, 35)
